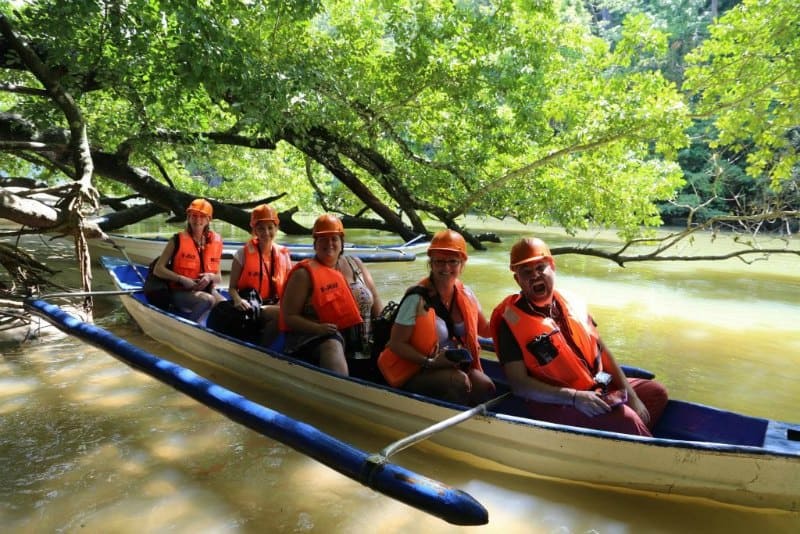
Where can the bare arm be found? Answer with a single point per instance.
(233, 285)
(621, 382)
(483, 323)
(297, 290)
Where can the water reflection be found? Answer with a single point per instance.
(89, 444)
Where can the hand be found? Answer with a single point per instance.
(186, 282)
(242, 305)
(327, 328)
(440, 361)
(590, 403)
(204, 281)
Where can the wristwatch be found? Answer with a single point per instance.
(427, 363)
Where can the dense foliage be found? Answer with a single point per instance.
(431, 109)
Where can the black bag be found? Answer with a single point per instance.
(244, 325)
(382, 327)
(156, 289)
(382, 324)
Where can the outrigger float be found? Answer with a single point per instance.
(372, 470)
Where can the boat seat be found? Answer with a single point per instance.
(692, 422)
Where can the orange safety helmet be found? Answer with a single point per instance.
(448, 241)
(527, 250)
(263, 212)
(327, 224)
(201, 206)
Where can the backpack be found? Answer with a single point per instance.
(226, 319)
(382, 324)
(156, 289)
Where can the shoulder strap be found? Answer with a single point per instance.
(176, 240)
(354, 267)
(392, 308)
(422, 291)
(176, 243)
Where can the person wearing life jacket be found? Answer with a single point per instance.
(553, 357)
(437, 319)
(319, 313)
(195, 263)
(261, 265)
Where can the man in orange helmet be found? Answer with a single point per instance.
(554, 358)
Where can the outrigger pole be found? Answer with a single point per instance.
(453, 505)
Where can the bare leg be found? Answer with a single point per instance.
(447, 384)
(482, 387)
(331, 356)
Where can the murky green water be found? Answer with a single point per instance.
(89, 445)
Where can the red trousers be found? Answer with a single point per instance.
(620, 419)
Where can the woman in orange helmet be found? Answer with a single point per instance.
(433, 348)
(195, 263)
(326, 299)
(262, 266)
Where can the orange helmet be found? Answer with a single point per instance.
(527, 250)
(263, 212)
(448, 241)
(327, 224)
(201, 206)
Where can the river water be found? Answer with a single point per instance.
(89, 445)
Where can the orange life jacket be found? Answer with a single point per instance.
(330, 296)
(188, 261)
(564, 366)
(398, 370)
(256, 275)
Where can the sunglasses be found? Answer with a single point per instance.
(450, 263)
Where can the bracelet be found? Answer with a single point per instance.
(426, 363)
(574, 394)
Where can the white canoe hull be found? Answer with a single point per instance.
(737, 475)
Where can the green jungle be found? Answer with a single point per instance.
(399, 116)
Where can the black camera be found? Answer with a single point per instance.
(254, 300)
(542, 348)
(254, 313)
(460, 356)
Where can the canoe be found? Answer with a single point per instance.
(145, 249)
(697, 452)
